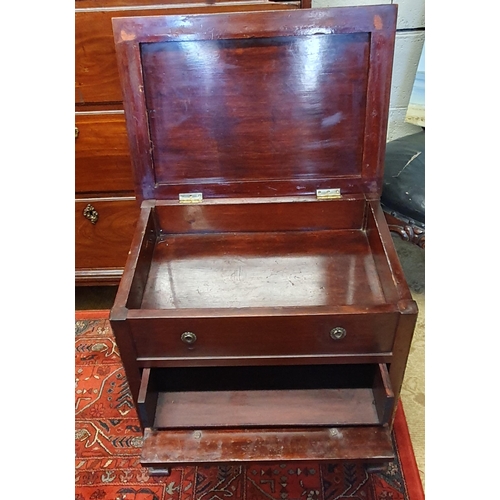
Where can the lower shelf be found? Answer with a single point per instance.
(259, 408)
(278, 396)
(366, 444)
(265, 413)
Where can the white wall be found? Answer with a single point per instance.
(409, 42)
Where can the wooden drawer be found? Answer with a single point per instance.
(96, 68)
(106, 243)
(102, 158)
(241, 414)
(323, 395)
(247, 339)
(96, 4)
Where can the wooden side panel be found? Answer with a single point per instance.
(140, 246)
(384, 397)
(396, 290)
(402, 343)
(147, 400)
(384, 254)
(128, 356)
(143, 263)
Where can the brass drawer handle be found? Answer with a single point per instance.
(338, 333)
(188, 338)
(77, 132)
(90, 213)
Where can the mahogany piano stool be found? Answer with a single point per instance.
(263, 314)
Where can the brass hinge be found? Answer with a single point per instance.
(328, 194)
(190, 197)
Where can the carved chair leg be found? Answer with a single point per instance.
(406, 230)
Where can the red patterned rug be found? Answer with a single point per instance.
(108, 443)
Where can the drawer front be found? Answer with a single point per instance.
(102, 158)
(96, 78)
(272, 336)
(106, 243)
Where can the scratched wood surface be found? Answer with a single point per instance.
(270, 269)
(365, 444)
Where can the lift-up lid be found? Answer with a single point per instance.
(275, 103)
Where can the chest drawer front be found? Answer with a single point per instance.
(96, 68)
(275, 336)
(105, 243)
(102, 157)
(96, 4)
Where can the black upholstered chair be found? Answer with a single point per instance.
(403, 195)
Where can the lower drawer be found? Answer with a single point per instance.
(228, 414)
(104, 231)
(262, 396)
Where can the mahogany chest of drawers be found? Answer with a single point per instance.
(263, 313)
(106, 208)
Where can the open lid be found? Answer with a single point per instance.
(274, 103)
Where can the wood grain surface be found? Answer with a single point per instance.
(102, 155)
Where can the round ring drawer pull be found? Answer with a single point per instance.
(337, 333)
(188, 337)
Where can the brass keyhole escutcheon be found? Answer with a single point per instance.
(90, 213)
(338, 333)
(188, 338)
